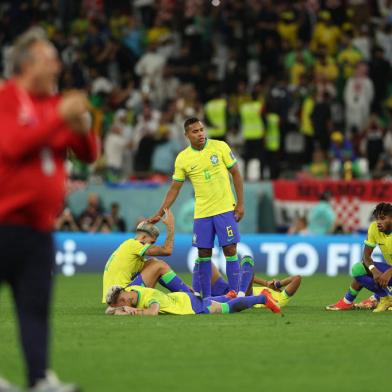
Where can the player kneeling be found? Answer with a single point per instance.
(141, 301)
(128, 265)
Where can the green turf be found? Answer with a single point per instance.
(308, 349)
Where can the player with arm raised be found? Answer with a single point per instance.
(376, 277)
(209, 164)
(127, 265)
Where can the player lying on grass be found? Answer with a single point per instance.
(281, 290)
(127, 265)
(376, 277)
(142, 301)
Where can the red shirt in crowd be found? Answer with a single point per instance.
(33, 143)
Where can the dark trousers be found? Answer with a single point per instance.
(26, 265)
(253, 149)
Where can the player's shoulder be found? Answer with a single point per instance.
(218, 144)
(184, 154)
(373, 228)
(131, 243)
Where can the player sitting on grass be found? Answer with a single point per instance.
(127, 264)
(141, 301)
(376, 277)
(281, 290)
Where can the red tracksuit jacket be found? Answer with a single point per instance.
(33, 144)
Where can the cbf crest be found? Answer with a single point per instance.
(214, 159)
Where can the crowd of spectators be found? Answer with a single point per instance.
(93, 219)
(322, 68)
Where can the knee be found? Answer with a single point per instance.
(205, 252)
(163, 267)
(230, 250)
(160, 265)
(358, 269)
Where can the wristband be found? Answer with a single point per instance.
(371, 267)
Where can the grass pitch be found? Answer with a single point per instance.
(308, 349)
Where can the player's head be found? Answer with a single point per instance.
(383, 215)
(35, 59)
(194, 131)
(147, 232)
(117, 296)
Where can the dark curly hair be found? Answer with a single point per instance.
(382, 209)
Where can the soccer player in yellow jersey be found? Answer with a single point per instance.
(141, 301)
(376, 277)
(209, 164)
(127, 265)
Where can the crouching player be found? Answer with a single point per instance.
(127, 265)
(376, 277)
(141, 301)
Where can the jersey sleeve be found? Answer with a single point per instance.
(179, 171)
(140, 249)
(229, 158)
(371, 237)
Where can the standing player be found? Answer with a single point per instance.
(36, 129)
(207, 163)
(141, 301)
(376, 277)
(127, 265)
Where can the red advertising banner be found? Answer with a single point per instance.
(353, 201)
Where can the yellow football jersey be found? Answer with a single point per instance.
(278, 296)
(171, 303)
(384, 241)
(208, 171)
(125, 262)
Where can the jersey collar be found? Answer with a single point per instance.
(205, 145)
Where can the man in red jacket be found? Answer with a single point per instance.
(37, 127)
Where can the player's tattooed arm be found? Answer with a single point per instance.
(167, 248)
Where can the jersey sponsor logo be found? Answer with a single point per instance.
(214, 159)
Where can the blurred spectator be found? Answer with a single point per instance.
(168, 143)
(349, 56)
(343, 157)
(66, 221)
(300, 226)
(362, 41)
(321, 218)
(326, 65)
(113, 221)
(90, 218)
(115, 146)
(358, 96)
(325, 34)
(380, 71)
(322, 121)
(252, 128)
(145, 130)
(319, 166)
(150, 68)
(373, 137)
